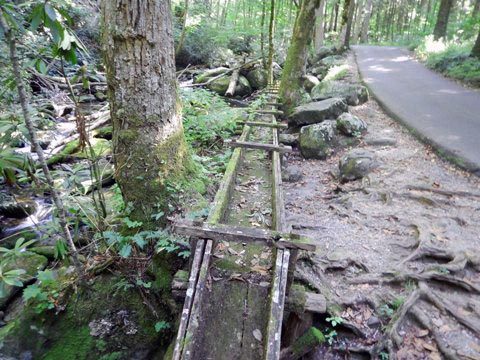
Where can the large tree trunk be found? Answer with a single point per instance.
(346, 24)
(476, 47)
(148, 140)
(366, 22)
(476, 9)
(319, 28)
(291, 90)
(441, 25)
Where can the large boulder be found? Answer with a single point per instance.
(356, 164)
(316, 112)
(325, 51)
(220, 86)
(351, 125)
(309, 82)
(333, 60)
(353, 94)
(320, 71)
(317, 141)
(289, 139)
(257, 78)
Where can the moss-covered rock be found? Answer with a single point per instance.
(310, 82)
(356, 164)
(101, 321)
(319, 140)
(317, 112)
(31, 263)
(257, 78)
(353, 94)
(220, 86)
(351, 125)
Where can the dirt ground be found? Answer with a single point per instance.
(398, 252)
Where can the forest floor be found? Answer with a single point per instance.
(397, 251)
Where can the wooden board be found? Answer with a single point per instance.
(271, 112)
(259, 146)
(243, 234)
(263, 124)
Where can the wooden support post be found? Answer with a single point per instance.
(258, 146)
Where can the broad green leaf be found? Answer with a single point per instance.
(125, 251)
(37, 16)
(31, 292)
(50, 12)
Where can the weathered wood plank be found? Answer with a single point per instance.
(263, 124)
(259, 146)
(274, 327)
(243, 234)
(187, 305)
(269, 112)
(194, 319)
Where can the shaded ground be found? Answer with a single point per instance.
(438, 109)
(398, 256)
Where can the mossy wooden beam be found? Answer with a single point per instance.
(243, 234)
(273, 104)
(303, 345)
(263, 124)
(270, 112)
(198, 273)
(259, 146)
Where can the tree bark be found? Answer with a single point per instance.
(476, 9)
(476, 47)
(441, 25)
(366, 22)
(291, 90)
(346, 25)
(148, 140)
(319, 22)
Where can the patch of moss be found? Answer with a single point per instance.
(74, 343)
(308, 340)
(63, 155)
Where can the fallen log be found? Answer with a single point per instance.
(233, 83)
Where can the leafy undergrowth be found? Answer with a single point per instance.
(451, 59)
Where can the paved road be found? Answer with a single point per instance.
(441, 112)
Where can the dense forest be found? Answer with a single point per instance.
(115, 118)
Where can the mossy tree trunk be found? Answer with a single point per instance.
(291, 90)
(271, 29)
(476, 47)
(441, 25)
(148, 139)
(366, 22)
(319, 26)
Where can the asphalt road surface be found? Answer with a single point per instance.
(440, 111)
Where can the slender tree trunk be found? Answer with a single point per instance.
(476, 9)
(441, 25)
(319, 30)
(337, 10)
(62, 215)
(148, 140)
(357, 22)
(332, 16)
(366, 22)
(291, 91)
(262, 35)
(271, 50)
(184, 29)
(346, 25)
(476, 47)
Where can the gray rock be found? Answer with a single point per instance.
(351, 125)
(353, 94)
(320, 71)
(17, 209)
(374, 322)
(310, 82)
(220, 86)
(324, 51)
(380, 141)
(318, 111)
(356, 164)
(257, 78)
(292, 174)
(333, 60)
(319, 140)
(289, 139)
